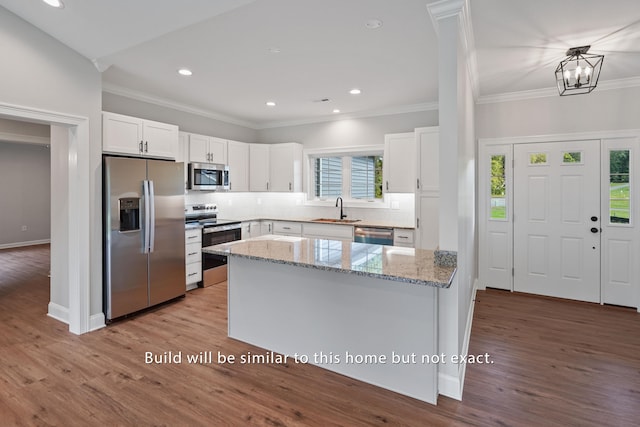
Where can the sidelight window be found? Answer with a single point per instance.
(498, 187)
(619, 187)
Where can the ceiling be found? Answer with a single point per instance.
(297, 53)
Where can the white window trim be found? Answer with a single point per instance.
(359, 150)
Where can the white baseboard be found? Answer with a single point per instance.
(449, 385)
(452, 385)
(58, 312)
(22, 244)
(96, 321)
(467, 334)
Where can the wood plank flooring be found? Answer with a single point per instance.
(556, 362)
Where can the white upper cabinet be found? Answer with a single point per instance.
(399, 168)
(134, 136)
(207, 149)
(238, 161)
(427, 141)
(427, 188)
(285, 170)
(259, 167)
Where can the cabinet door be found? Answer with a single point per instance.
(428, 141)
(399, 168)
(160, 139)
(266, 227)
(428, 220)
(259, 167)
(198, 148)
(121, 134)
(218, 150)
(238, 153)
(285, 169)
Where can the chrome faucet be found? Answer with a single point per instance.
(342, 214)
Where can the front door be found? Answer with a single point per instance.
(557, 219)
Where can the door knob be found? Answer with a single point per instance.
(594, 230)
(594, 218)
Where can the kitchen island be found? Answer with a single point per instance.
(366, 311)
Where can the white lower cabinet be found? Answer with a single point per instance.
(251, 229)
(193, 257)
(403, 237)
(287, 228)
(328, 231)
(266, 227)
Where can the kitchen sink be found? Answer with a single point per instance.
(339, 221)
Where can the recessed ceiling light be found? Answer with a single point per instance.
(372, 24)
(185, 72)
(54, 3)
(355, 91)
(271, 104)
(274, 50)
(336, 110)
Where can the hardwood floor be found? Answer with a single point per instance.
(556, 362)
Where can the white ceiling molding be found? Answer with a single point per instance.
(140, 96)
(101, 65)
(553, 92)
(459, 8)
(414, 108)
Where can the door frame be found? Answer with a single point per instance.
(487, 146)
(77, 218)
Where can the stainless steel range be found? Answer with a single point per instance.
(214, 232)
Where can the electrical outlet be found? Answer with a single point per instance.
(24, 228)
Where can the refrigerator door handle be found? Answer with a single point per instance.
(147, 222)
(152, 217)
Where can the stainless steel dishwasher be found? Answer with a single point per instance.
(376, 235)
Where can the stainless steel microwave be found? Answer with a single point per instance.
(208, 177)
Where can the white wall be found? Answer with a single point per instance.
(349, 132)
(187, 122)
(46, 75)
(600, 110)
(25, 193)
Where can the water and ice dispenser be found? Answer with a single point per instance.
(129, 213)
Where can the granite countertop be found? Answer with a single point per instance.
(417, 266)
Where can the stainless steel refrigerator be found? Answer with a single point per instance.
(144, 249)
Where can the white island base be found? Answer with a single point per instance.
(389, 328)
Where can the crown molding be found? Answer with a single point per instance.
(553, 92)
(144, 97)
(413, 108)
(444, 9)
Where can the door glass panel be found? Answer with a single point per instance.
(619, 187)
(538, 158)
(570, 157)
(498, 188)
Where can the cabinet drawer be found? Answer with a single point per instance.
(193, 253)
(288, 228)
(328, 231)
(402, 237)
(193, 235)
(194, 272)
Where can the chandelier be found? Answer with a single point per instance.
(578, 72)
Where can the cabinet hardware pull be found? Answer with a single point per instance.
(140, 146)
(192, 274)
(402, 237)
(417, 222)
(387, 185)
(418, 183)
(192, 237)
(289, 186)
(267, 185)
(146, 146)
(193, 253)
